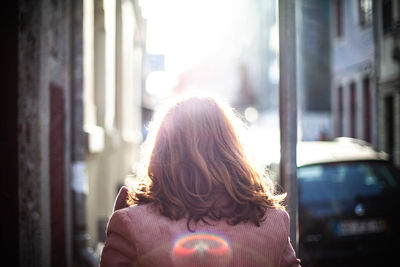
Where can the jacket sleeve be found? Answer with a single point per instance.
(288, 257)
(120, 246)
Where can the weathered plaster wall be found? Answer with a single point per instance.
(44, 63)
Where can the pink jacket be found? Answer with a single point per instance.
(139, 236)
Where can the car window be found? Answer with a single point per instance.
(345, 181)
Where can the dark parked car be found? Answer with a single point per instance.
(349, 205)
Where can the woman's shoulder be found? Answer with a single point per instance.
(276, 216)
(121, 205)
(276, 211)
(121, 201)
(142, 216)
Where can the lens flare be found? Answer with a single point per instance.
(201, 249)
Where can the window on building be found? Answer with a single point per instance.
(339, 125)
(353, 121)
(387, 15)
(367, 110)
(338, 6)
(365, 12)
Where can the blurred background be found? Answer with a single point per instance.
(82, 79)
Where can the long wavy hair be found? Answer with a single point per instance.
(196, 166)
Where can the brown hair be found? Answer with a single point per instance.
(197, 167)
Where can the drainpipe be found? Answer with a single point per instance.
(377, 32)
(83, 255)
(288, 110)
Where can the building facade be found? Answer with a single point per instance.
(313, 70)
(71, 126)
(113, 52)
(387, 32)
(353, 70)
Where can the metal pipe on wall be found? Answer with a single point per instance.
(83, 255)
